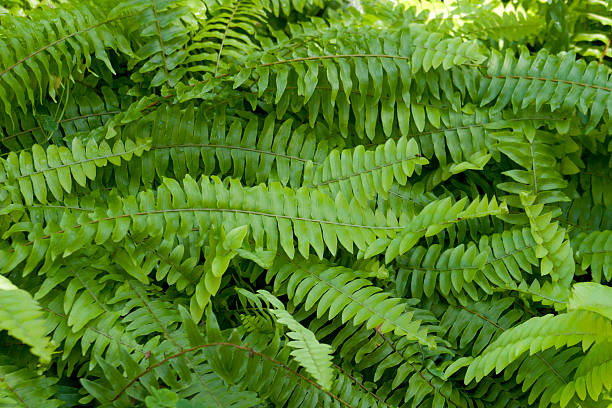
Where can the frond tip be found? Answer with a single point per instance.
(22, 318)
(314, 356)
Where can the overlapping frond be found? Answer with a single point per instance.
(82, 110)
(541, 333)
(227, 34)
(163, 28)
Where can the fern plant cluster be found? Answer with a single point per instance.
(305, 203)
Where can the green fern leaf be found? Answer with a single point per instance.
(22, 317)
(312, 355)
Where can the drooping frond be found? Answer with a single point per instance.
(541, 333)
(253, 150)
(55, 168)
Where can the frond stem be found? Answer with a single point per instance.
(11, 389)
(161, 40)
(416, 370)
(229, 23)
(135, 149)
(251, 352)
(560, 81)
(229, 147)
(382, 166)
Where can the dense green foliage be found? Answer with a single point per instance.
(305, 203)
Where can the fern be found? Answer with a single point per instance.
(253, 203)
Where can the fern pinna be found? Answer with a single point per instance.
(305, 203)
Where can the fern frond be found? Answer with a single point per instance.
(434, 218)
(22, 387)
(82, 110)
(540, 333)
(338, 290)
(22, 318)
(499, 259)
(311, 216)
(54, 168)
(163, 28)
(254, 150)
(363, 174)
(227, 34)
(594, 251)
(510, 23)
(308, 351)
(346, 65)
(552, 245)
(540, 374)
(301, 6)
(453, 269)
(596, 178)
(36, 65)
(163, 162)
(582, 216)
(591, 29)
(593, 297)
(541, 176)
(476, 325)
(544, 79)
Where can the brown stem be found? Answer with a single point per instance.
(251, 352)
